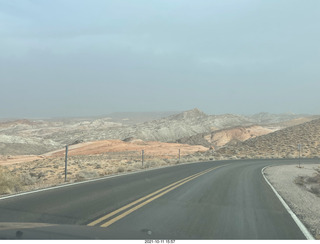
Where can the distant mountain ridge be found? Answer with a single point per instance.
(275, 118)
(41, 136)
(189, 114)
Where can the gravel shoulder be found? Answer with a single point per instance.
(286, 179)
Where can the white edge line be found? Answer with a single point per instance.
(301, 226)
(92, 180)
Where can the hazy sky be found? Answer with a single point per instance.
(84, 58)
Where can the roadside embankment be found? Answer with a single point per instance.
(300, 189)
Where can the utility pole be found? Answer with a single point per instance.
(299, 148)
(142, 157)
(66, 164)
(179, 154)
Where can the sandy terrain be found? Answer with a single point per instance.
(297, 186)
(222, 137)
(89, 160)
(154, 148)
(7, 160)
(133, 147)
(39, 136)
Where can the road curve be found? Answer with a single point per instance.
(209, 200)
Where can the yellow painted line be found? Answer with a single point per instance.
(110, 222)
(137, 201)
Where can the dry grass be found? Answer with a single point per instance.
(9, 183)
(50, 171)
(94, 159)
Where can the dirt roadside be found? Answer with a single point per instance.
(298, 187)
(89, 160)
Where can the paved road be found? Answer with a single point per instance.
(211, 200)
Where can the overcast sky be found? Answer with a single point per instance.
(84, 58)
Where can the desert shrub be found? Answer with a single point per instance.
(136, 165)
(98, 166)
(166, 160)
(120, 169)
(183, 160)
(108, 172)
(312, 184)
(84, 174)
(314, 179)
(315, 189)
(299, 180)
(150, 164)
(130, 168)
(9, 183)
(26, 179)
(156, 163)
(42, 174)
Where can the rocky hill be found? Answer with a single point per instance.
(132, 118)
(41, 136)
(279, 144)
(219, 138)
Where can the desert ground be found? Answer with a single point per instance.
(89, 160)
(300, 188)
(32, 153)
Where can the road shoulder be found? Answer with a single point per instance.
(304, 204)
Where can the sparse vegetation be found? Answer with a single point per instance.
(279, 144)
(9, 183)
(50, 171)
(43, 171)
(86, 174)
(120, 169)
(311, 183)
(315, 190)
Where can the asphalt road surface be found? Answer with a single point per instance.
(210, 200)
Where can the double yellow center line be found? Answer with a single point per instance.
(144, 200)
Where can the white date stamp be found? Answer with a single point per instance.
(159, 241)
